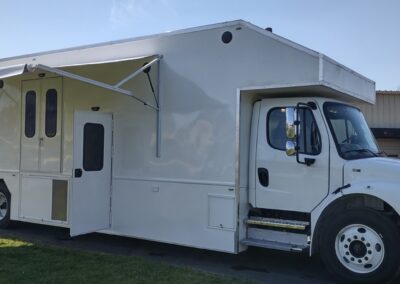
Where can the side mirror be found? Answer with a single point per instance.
(290, 125)
(290, 148)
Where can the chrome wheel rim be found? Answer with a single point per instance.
(359, 248)
(3, 206)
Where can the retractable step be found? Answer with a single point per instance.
(277, 223)
(274, 245)
(280, 240)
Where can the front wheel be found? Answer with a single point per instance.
(361, 246)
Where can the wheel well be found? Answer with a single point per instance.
(4, 186)
(352, 201)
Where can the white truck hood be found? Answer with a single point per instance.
(382, 169)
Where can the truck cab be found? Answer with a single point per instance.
(319, 182)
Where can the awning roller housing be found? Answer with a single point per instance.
(12, 71)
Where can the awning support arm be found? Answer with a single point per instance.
(152, 89)
(116, 88)
(141, 69)
(32, 68)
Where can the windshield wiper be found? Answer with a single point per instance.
(362, 151)
(382, 154)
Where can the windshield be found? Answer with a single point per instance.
(352, 135)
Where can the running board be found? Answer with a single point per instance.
(274, 245)
(277, 223)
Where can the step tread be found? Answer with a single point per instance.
(274, 245)
(273, 222)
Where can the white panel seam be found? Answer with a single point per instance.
(200, 182)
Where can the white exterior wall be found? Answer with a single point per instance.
(10, 120)
(190, 194)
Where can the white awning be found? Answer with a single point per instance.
(18, 70)
(11, 71)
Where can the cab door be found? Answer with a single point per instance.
(283, 183)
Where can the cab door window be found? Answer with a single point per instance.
(309, 137)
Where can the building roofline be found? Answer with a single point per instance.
(387, 92)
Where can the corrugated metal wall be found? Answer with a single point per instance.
(385, 114)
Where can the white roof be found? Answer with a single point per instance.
(345, 80)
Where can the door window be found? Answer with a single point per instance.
(276, 128)
(51, 113)
(30, 114)
(309, 136)
(93, 147)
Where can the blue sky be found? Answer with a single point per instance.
(362, 34)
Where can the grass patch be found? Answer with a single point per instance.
(25, 262)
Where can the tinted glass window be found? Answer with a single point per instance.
(93, 147)
(30, 114)
(276, 128)
(309, 137)
(51, 113)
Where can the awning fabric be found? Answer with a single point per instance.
(11, 71)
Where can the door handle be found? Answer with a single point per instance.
(78, 173)
(263, 176)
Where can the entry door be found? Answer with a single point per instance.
(281, 182)
(91, 182)
(41, 125)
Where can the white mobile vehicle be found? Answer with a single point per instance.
(218, 137)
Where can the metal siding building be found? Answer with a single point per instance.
(384, 120)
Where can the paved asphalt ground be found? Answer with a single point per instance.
(259, 265)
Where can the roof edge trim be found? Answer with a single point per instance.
(126, 40)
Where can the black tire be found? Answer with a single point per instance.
(386, 232)
(5, 218)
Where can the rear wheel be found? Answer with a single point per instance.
(361, 246)
(5, 201)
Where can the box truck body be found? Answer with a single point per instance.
(184, 138)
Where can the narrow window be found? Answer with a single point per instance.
(30, 114)
(309, 137)
(51, 113)
(93, 147)
(276, 128)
